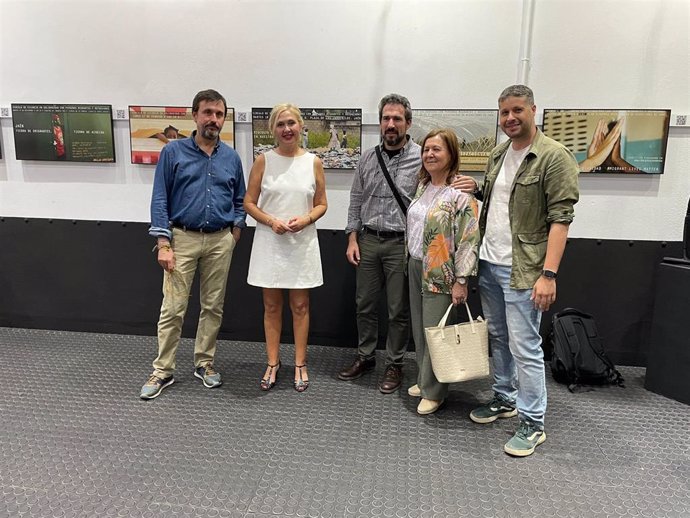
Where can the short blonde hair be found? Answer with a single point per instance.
(280, 108)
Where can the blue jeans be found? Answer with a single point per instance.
(518, 359)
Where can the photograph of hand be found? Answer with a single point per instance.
(608, 141)
(604, 151)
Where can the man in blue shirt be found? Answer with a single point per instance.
(196, 216)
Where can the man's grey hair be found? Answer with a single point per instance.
(396, 99)
(517, 91)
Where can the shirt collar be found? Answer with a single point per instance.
(404, 149)
(196, 146)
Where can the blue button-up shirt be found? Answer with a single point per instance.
(195, 190)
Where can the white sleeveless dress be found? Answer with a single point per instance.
(291, 260)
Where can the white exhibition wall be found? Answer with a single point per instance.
(439, 53)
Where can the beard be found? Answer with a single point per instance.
(210, 132)
(393, 138)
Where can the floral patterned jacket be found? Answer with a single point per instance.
(450, 240)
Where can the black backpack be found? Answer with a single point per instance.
(577, 354)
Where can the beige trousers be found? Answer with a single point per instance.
(212, 254)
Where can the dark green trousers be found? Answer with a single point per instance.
(382, 266)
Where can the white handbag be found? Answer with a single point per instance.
(459, 352)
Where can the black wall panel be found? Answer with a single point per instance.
(103, 277)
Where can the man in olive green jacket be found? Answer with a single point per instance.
(528, 193)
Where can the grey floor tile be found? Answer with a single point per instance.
(75, 440)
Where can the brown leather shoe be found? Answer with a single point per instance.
(391, 380)
(359, 367)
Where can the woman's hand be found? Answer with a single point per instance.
(297, 223)
(279, 226)
(459, 293)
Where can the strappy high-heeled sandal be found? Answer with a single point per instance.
(301, 384)
(266, 383)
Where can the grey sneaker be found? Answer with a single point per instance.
(208, 375)
(497, 407)
(528, 436)
(154, 386)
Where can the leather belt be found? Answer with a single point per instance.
(383, 234)
(200, 230)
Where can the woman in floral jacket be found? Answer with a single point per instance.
(443, 241)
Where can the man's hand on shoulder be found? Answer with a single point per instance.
(465, 183)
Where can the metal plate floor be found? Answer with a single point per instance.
(76, 441)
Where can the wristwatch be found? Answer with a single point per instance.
(461, 280)
(549, 274)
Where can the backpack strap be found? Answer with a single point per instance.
(569, 329)
(614, 376)
(384, 169)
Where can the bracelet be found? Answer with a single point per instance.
(156, 247)
(269, 222)
(164, 247)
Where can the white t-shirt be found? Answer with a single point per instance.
(497, 244)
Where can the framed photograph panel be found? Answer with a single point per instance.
(612, 141)
(333, 134)
(476, 131)
(64, 132)
(151, 127)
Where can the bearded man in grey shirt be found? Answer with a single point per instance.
(376, 241)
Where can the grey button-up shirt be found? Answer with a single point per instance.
(372, 203)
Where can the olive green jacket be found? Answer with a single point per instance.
(544, 191)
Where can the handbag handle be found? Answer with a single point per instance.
(442, 322)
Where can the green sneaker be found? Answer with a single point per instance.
(154, 386)
(208, 375)
(525, 440)
(497, 407)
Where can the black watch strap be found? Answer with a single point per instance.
(550, 274)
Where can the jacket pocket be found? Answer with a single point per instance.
(527, 189)
(532, 249)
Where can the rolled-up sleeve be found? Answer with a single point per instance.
(561, 186)
(160, 215)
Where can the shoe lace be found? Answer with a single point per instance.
(525, 430)
(392, 372)
(209, 370)
(153, 380)
(496, 402)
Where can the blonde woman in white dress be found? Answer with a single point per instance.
(286, 194)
